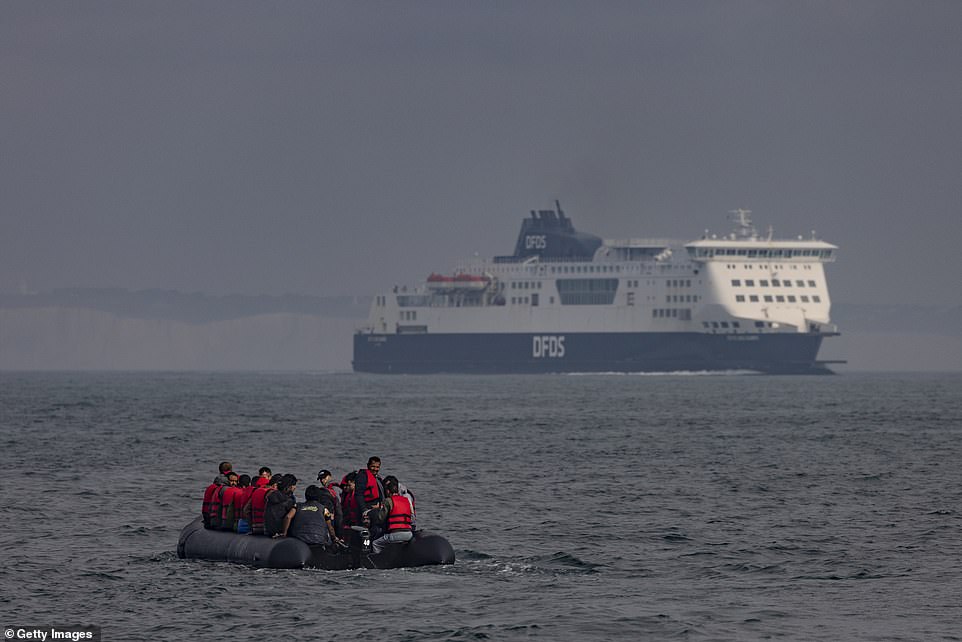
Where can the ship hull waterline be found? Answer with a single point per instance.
(531, 353)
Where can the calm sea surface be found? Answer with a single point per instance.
(580, 507)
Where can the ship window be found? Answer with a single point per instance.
(817, 299)
(759, 324)
(753, 298)
(736, 324)
(736, 283)
(811, 284)
(768, 298)
(740, 298)
(791, 298)
(763, 283)
(800, 284)
(551, 300)
(779, 298)
(714, 324)
(786, 284)
(587, 291)
(706, 324)
(776, 283)
(804, 298)
(749, 283)
(724, 324)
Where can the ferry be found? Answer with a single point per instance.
(570, 302)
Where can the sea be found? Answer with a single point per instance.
(685, 506)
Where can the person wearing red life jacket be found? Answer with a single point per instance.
(217, 501)
(369, 489)
(209, 494)
(241, 497)
(350, 511)
(228, 496)
(254, 509)
(263, 477)
(399, 519)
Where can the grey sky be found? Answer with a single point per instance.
(337, 148)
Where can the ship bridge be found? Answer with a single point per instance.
(735, 249)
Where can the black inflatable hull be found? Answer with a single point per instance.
(197, 542)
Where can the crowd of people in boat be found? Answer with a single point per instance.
(266, 505)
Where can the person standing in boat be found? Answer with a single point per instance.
(369, 489)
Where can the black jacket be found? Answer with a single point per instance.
(278, 503)
(309, 524)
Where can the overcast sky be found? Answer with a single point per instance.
(338, 148)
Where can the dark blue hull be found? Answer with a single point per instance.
(776, 353)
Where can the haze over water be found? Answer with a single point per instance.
(580, 507)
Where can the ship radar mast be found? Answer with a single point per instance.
(742, 219)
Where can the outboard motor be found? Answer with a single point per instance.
(365, 536)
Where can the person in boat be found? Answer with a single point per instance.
(280, 507)
(263, 477)
(350, 511)
(334, 490)
(241, 497)
(209, 494)
(225, 467)
(405, 492)
(369, 489)
(228, 495)
(313, 521)
(254, 508)
(399, 518)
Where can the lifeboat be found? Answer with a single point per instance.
(461, 281)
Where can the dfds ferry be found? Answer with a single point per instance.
(567, 301)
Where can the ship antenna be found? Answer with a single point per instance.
(557, 204)
(742, 219)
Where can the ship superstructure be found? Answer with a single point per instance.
(568, 301)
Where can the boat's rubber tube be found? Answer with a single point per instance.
(197, 542)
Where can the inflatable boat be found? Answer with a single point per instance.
(197, 542)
